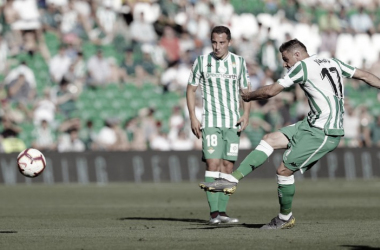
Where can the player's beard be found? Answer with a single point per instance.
(288, 69)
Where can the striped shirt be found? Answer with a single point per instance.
(322, 81)
(221, 81)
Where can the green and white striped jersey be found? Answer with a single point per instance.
(221, 81)
(322, 81)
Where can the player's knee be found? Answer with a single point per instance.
(228, 167)
(267, 137)
(271, 139)
(276, 140)
(213, 165)
(228, 163)
(284, 171)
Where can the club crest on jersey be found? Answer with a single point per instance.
(233, 65)
(210, 150)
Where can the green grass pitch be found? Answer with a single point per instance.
(335, 214)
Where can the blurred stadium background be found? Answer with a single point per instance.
(111, 75)
(99, 87)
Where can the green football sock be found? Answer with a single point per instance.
(212, 198)
(223, 201)
(285, 197)
(251, 162)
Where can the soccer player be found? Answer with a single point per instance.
(222, 76)
(308, 140)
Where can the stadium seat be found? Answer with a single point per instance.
(363, 46)
(308, 36)
(89, 114)
(40, 64)
(376, 43)
(265, 19)
(375, 110)
(254, 7)
(52, 42)
(111, 91)
(129, 91)
(278, 31)
(137, 103)
(27, 133)
(324, 54)
(251, 21)
(345, 51)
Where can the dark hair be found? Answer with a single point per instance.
(291, 45)
(70, 130)
(64, 81)
(9, 132)
(221, 30)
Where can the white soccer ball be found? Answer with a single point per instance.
(31, 162)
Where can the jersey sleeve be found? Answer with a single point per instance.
(244, 80)
(297, 74)
(347, 70)
(195, 74)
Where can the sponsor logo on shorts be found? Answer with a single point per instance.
(234, 149)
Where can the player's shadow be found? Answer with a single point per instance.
(360, 247)
(252, 225)
(228, 226)
(165, 219)
(202, 222)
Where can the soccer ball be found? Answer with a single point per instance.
(31, 162)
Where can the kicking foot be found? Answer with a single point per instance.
(219, 185)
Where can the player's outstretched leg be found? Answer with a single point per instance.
(254, 160)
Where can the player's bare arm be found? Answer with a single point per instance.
(244, 119)
(367, 77)
(190, 98)
(263, 93)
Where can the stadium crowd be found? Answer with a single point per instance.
(80, 75)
